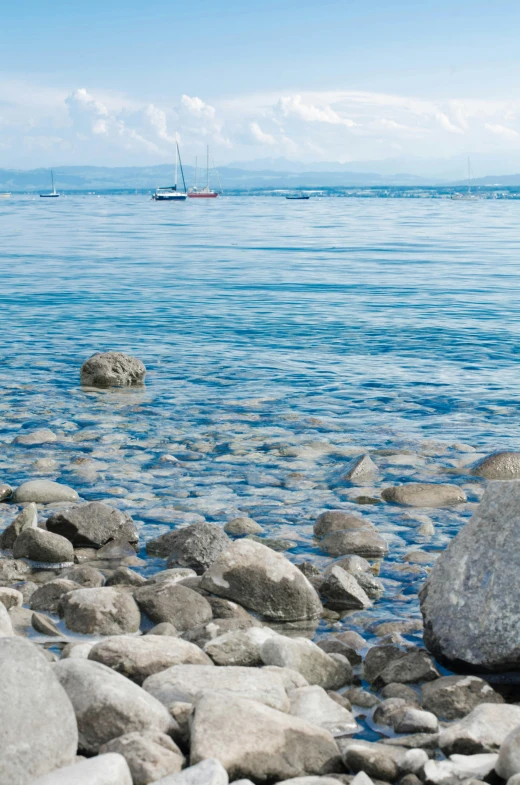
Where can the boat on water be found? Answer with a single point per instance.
(206, 192)
(466, 196)
(53, 194)
(5, 195)
(169, 193)
(298, 197)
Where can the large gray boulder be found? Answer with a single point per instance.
(93, 524)
(109, 769)
(26, 519)
(483, 730)
(254, 741)
(171, 602)
(197, 546)
(264, 581)
(302, 655)
(138, 658)
(44, 492)
(112, 369)
(108, 705)
(102, 611)
(43, 546)
(38, 730)
(470, 600)
(424, 494)
(150, 755)
(207, 772)
(503, 465)
(187, 683)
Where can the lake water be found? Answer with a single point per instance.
(281, 338)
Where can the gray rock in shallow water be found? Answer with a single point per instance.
(364, 543)
(470, 600)
(359, 468)
(240, 526)
(103, 611)
(264, 581)
(342, 591)
(5, 491)
(167, 601)
(109, 769)
(254, 741)
(187, 683)
(424, 494)
(197, 546)
(112, 369)
(483, 730)
(338, 520)
(503, 465)
(138, 658)
(150, 755)
(509, 756)
(41, 436)
(108, 705)
(453, 697)
(412, 667)
(44, 492)
(38, 731)
(304, 656)
(26, 519)
(207, 772)
(93, 524)
(44, 546)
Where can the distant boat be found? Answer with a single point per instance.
(53, 194)
(202, 193)
(169, 193)
(5, 195)
(468, 196)
(298, 197)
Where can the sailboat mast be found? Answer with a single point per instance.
(52, 180)
(176, 159)
(469, 176)
(207, 167)
(195, 171)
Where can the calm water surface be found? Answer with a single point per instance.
(281, 338)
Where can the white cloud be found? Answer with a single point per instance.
(259, 135)
(293, 105)
(501, 130)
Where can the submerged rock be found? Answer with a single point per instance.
(38, 731)
(44, 492)
(338, 520)
(470, 600)
(239, 526)
(424, 494)
(360, 468)
(504, 465)
(112, 369)
(364, 543)
(93, 524)
(264, 581)
(254, 741)
(33, 438)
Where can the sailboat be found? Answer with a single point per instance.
(5, 195)
(202, 193)
(53, 194)
(169, 193)
(468, 196)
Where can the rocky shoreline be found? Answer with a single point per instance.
(210, 653)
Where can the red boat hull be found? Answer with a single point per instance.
(203, 196)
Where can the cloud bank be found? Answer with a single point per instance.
(45, 126)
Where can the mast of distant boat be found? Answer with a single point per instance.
(469, 177)
(207, 168)
(176, 158)
(53, 186)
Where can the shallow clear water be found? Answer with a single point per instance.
(280, 338)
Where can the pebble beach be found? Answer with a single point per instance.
(227, 493)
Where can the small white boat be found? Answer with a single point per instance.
(169, 193)
(467, 196)
(53, 194)
(206, 192)
(5, 195)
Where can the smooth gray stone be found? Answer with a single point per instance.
(313, 705)
(101, 611)
(304, 656)
(483, 730)
(44, 492)
(48, 596)
(26, 519)
(109, 769)
(112, 369)
(453, 697)
(150, 755)
(424, 494)
(170, 601)
(503, 465)
(197, 546)
(6, 625)
(342, 591)
(254, 741)
(264, 581)
(509, 756)
(460, 769)
(360, 468)
(10, 598)
(32, 438)
(108, 705)
(207, 772)
(470, 600)
(239, 526)
(38, 730)
(339, 520)
(364, 542)
(43, 546)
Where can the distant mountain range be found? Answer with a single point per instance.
(267, 174)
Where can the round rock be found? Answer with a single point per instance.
(102, 611)
(40, 545)
(44, 492)
(424, 494)
(112, 369)
(338, 520)
(93, 524)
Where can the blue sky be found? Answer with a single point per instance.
(110, 82)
